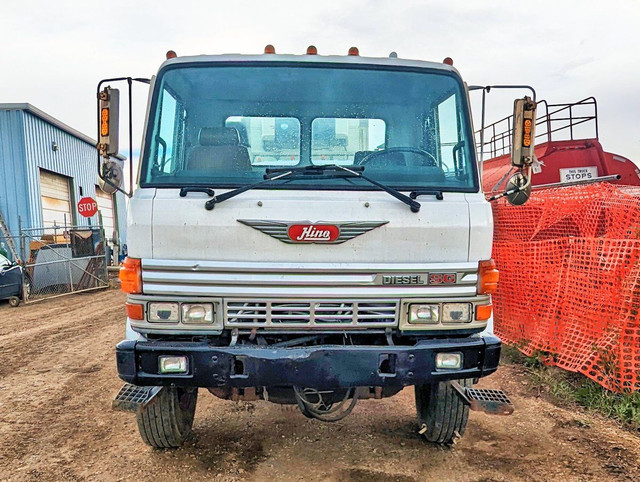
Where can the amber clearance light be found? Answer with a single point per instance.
(483, 312)
(487, 277)
(134, 311)
(131, 276)
(526, 138)
(104, 122)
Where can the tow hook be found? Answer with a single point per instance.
(493, 402)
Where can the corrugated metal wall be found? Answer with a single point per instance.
(74, 158)
(14, 189)
(26, 147)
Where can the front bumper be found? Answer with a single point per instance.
(323, 367)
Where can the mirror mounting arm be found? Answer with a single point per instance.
(108, 128)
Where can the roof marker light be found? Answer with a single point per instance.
(312, 50)
(269, 49)
(393, 55)
(354, 51)
(171, 54)
(448, 61)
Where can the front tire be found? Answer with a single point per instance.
(442, 413)
(167, 420)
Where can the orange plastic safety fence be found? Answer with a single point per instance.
(569, 287)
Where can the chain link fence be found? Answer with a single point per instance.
(60, 260)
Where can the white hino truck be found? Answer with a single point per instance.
(306, 230)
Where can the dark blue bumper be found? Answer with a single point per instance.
(328, 366)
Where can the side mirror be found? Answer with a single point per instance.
(109, 111)
(518, 189)
(524, 125)
(111, 176)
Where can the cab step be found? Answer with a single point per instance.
(132, 398)
(493, 402)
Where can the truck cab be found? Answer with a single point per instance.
(307, 230)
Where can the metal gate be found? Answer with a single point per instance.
(63, 259)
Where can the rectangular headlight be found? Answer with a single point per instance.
(173, 364)
(164, 312)
(456, 312)
(424, 313)
(197, 313)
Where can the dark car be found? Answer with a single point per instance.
(11, 281)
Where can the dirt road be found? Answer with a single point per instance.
(58, 376)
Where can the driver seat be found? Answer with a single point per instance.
(219, 149)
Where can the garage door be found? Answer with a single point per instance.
(56, 199)
(105, 206)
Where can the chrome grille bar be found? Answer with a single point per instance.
(305, 281)
(249, 313)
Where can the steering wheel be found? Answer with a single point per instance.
(432, 161)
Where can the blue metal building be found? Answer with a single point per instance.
(46, 167)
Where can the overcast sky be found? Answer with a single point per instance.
(54, 52)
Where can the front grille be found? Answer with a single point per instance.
(321, 313)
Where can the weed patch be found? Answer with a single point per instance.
(575, 388)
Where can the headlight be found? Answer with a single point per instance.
(164, 312)
(197, 313)
(424, 313)
(456, 312)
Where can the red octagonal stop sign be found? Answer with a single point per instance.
(87, 207)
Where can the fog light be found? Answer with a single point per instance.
(449, 361)
(456, 312)
(173, 364)
(197, 313)
(424, 313)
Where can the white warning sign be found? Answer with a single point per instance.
(574, 174)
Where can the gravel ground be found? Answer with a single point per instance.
(58, 376)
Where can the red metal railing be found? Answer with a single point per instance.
(557, 118)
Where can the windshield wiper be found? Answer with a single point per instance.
(273, 174)
(355, 171)
(414, 205)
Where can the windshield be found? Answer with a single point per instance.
(223, 125)
(4, 262)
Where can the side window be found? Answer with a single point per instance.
(166, 143)
(448, 134)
